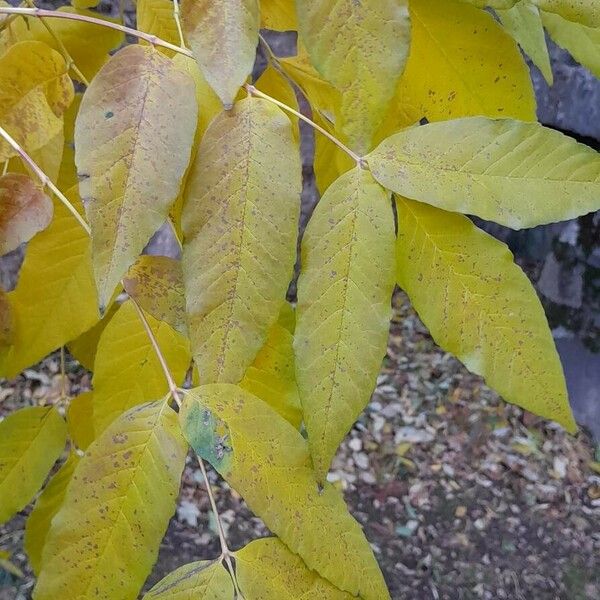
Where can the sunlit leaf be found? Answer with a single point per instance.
(240, 223)
(156, 17)
(31, 439)
(136, 122)
(24, 210)
(80, 420)
(344, 308)
(105, 538)
(35, 91)
(481, 307)
(259, 454)
(361, 47)
(223, 35)
(514, 173)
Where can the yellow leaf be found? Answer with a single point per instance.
(259, 453)
(514, 173)
(240, 223)
(105, 538)
(55, 297)
(127, 371)
(266, 569)
(198, 580)
(586, 12)
(277, 85)
(344, 308)
(136, 122)
(24, 210)
(583, 43)
(278, 14)
(223, 35)
(87, 44)
(473, 67)
(156, 17)
(84, 3)
(272, 378)
(48, 158)
(67, 176)
(360, 47)
(156, 284)
(481, 307)
(524, 23)
(31, 439)
(46, 506)
(80, 420)
(35, 91)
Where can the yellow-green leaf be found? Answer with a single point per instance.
(136, 123)
(156, 284)
(127, 371)
(583, 43)
(195, 581)
(361, 47)
(80, 420)
(35, 91)
(514, 173)
(46, 506)
(105, 538)
(223, 35)
(240, 223)
(55, 297)
(524, 23)
(266, 569)
(586, 12)
(259, 453)
(24, 210)
(67, 175)
(480, 306)
(31, 439)
(278, 14)
(156, 17)
(344, 308)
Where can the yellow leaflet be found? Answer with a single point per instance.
(223, 35)
(360, 47)
(524, 23)
(67, 176)
(48, 158)
(84, 3)
(582, 42)
(46, 506)
(35, 91)
(266, 570)
(156, 284)
(586, 12)
(136, 122)
(156, 17)
(24, 210)
(104, 539)
(127, 371)
(278, 14)
(259, 453)
(514, 173)
(240, 223)
(88, 44)
(344, 308)
(80, 420)
(481, 307)
(31, 439)
(55, 298)
(197, 580)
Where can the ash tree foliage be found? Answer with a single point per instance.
(422, 111)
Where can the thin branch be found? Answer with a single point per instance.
(178, 22)
(46, 181)
(256, 92)
(55, 14)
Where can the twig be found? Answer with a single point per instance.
(178, 22)
(46, 181)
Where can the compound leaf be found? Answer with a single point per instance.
(240, 222)
(259, 453)
(344, 308)
(136, 123)
(24, 210)
(514, 173)
(105, 538)
(31, 439)
(360, 47)
(223, 35)
(203, 580)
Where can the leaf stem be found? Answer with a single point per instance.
(253, 91)
(46, 181)
(178, 22)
